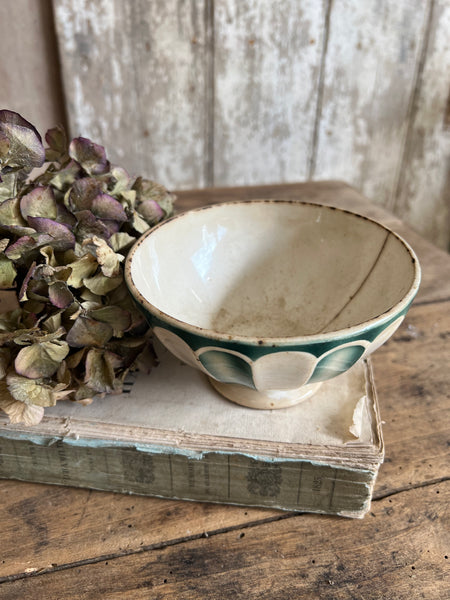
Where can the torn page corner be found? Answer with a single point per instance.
(357, 422)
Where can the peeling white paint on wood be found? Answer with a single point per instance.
(424, 186)
(369, 77)
(227, 92)
(134, 77)
(266, 73)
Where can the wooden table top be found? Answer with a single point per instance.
(65, 543)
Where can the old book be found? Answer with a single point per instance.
(170, 434)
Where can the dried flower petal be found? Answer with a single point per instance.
(5, 358)
(25, 144)
(41, 359)
(59, 294)
(19, 412)
(63, 238)
(88, 225)
(108, 260)
(118, 318)
(83, 193)
(88, 332)
(7, 273)
(28, 391)
(40, 202)
(89, 155)
(101, 284)
(151, 211)
(121, 240)
(21, 248)
(10, 212)
(107, 207)
(82, 269)
(57, 140)
(64, 178)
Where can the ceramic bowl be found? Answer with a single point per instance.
(270, 298)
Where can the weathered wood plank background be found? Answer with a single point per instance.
(236, 92)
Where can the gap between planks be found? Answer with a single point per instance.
(206, 534)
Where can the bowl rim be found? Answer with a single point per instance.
(264, 340)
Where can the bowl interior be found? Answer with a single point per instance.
(272, 269)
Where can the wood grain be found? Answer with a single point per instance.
(423, 189)
(57, 525)
(397, 552)
(266, 77)
(135, 80)
(369, 76)
(29, 69)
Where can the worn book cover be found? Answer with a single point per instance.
(170, 434)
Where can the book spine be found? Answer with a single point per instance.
(232, 478)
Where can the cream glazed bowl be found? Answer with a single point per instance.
(269, 298)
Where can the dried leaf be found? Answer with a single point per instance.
(41, 359)
(88, 332)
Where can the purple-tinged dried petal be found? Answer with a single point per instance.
(112, 226)
(56, 138)
(18, 230)
(40, 202)
(63, 238)
(88, 226)
(26, 149)
(89, 155)
(88, 332)
(151, 211)
(64, 216)
(107, 207)
(21, 247)
(59, 294)
(83, 193)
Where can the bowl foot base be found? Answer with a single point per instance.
(240, 394)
